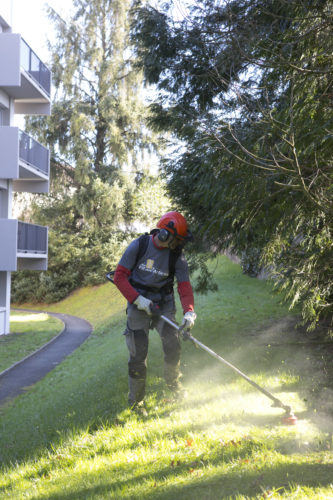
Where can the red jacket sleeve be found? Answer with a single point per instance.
(186, 296)
(120, 279)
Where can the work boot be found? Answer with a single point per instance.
(140, 409)
(136, 392)
(177, 390)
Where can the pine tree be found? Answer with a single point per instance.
(98, 138)
(98, 121)
(246, 86)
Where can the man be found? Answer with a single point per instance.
(145, 275)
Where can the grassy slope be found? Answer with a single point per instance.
(29, 332)
(225, 441)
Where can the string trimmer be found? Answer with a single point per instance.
(289, 417)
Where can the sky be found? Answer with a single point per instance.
(30, 20)
(28, 17)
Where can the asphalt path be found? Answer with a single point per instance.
(34, 367)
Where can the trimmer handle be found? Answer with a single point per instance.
(109, 276)
(155, 310)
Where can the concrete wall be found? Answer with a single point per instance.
(8, 246)
(10, 45)
(5, 286)
(9, 152)
(23, 91)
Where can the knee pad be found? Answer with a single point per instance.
(137, 371)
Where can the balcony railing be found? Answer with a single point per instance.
(31, 238)
(34, 66)
(33, 153)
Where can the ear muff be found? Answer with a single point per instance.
(163, 235)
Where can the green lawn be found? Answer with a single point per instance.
(72, 437)
(28, 333)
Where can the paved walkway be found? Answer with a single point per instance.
(37, 365)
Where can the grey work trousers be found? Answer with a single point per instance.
(137, 340)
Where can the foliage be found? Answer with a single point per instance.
(246, 88)
(99, 142)
(83, 241)
(250, 261)
(149, 200)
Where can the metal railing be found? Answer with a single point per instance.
(34, 66)
(33, 152)
(31, 238)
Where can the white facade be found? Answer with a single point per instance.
(25, 84)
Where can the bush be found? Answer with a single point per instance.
(251, 262)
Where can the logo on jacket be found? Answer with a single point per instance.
(149, 267)
(149, 264)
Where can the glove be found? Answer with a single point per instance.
(189, 319)
(143, 304)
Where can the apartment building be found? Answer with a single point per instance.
(25, 84)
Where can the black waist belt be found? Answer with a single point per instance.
(164, 290)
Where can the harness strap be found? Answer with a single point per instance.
(164, 290)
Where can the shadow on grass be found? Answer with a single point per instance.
(89, 388)
(190, 484)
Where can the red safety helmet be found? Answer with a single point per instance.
(175, 223)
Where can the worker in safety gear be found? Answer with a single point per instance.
(148, 278)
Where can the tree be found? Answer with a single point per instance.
(246, 87)
(98, 138)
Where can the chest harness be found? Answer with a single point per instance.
(173, 256)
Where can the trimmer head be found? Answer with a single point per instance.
(289, 418)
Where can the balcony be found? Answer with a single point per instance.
(33, 153)
(24, 160)
(23, 76)
(31, 238)
(24, 246)
(31, 63)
